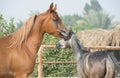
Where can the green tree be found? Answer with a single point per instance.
(5, 26)
(94, 6)
(97, 19)
(70, 20)
(95, 16)
(11, 26)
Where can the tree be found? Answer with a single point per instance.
(97, 19)
(95, 16)
(70, 20)
(94, 6)
(6, 27)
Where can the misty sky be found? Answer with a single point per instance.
(20, 9)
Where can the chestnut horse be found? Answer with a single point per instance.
(99, 64)
(18, 50)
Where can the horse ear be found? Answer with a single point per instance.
(55, 7)
(51, 7)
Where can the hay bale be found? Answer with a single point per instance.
(91, 37)
(100, 37)
(112, 38)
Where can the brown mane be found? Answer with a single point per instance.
(20, 36)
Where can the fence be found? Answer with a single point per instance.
(53, 46)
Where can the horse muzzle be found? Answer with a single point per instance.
(58, 45)
(66, 34)
(61, 44)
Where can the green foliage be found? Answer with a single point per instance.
(95, 17)
(58, 70)
(79, 27)
(94, 6)
(6, 27)
(49, 39)
(70, 20)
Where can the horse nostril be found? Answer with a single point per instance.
(58, 45)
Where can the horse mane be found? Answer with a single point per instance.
(21, 35)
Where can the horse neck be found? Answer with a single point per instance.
(35, 39)
(29, 36)
(76, 47)
(33, 43)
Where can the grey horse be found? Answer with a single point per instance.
(99, 64)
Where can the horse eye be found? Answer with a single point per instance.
(55, 20)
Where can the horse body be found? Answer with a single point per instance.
(99, 64)
(18, 50)
(96, 65)
(3, 57)
(16, 62)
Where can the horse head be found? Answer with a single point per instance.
(52, 23)
(65, 43)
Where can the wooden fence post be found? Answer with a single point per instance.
(40, 62)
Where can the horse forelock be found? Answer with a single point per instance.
(21, 35)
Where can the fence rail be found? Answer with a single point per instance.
(90, 47)
(40, 62)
